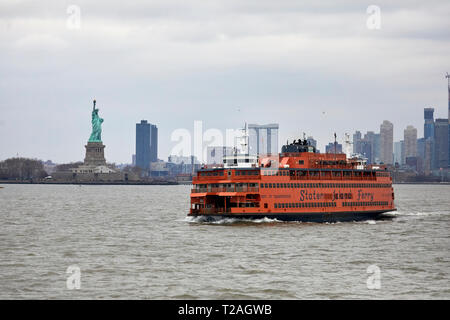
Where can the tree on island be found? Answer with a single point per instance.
(22, 169)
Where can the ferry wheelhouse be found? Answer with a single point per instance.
(298, 184)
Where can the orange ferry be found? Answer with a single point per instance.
(298, 185)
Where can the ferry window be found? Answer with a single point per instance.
(278, 185)
(275, 205)
(301, 162)
(265, 185)
(262, 185)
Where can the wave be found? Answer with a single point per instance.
(222, 220)
(419, 213)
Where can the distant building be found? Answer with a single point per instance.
(369, 142)
(146, 144)
(398, 156)
(357, 142)
(312, 142)
(330, 148)
(263, 139)
(133, 160)
(376, 148)
(181, 159)
(183, 165)
(428, 126)
(421, 148)
(366, 150)
(386, 142)
(413, 163)
(215, 154)
(441, 136)
(428, 156)
(143, 145)
(153, 143)
(159, 169)
(410, 138)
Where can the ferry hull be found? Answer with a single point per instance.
(321, 217)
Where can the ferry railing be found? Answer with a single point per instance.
(214, 210)
(247, 189)
(225, 189)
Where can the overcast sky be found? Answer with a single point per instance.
(311, 66)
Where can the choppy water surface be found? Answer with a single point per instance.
(135, 242)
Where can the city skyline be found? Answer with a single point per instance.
(325, 144)
(310, 68)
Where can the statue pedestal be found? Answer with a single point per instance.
(95, 154)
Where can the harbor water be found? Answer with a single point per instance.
(135, 242)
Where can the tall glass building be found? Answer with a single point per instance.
(143, 145)
(146, 144)
(428, 126)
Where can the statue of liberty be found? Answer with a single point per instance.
(96, 135)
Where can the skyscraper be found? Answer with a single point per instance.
(428, 126)
(333, 148)
(386, 142)
(441, 136)
(398, 158)
(448, 121)
(357, 142)
(143, 145)
(368, 146)
(312, 142)
(263, 139)
(153, 143)
(410, 138)
(376, 148)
